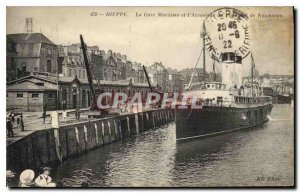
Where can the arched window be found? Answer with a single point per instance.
(23, 65)
(49, 51)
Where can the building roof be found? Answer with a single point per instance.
(43, 78)
(53, 80)
(28, 38)
(29, 86)
(8, 39)
(31, 83)
(66, 79)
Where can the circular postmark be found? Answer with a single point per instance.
(226, 34)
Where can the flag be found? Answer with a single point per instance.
(252, 63)
(203, 33)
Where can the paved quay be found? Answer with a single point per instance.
(37, 147)
(33, 121)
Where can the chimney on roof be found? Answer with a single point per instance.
(102, 52)
(28, 25)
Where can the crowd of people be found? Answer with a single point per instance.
(64, 114)
(27, 179)
(11, 121)
(16, 120)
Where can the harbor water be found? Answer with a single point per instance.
(262, 156)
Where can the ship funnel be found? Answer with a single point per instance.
(231, 69)
(230, 57)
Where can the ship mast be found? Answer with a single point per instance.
(252, 74)
(147, 77)
(203, 34)
(89, 74)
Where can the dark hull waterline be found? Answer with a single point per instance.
(213, 120)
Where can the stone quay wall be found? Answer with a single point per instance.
(51, 146)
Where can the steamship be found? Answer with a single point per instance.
(223, 106)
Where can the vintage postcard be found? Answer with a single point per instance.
(150, 97)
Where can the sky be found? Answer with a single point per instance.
(175, 41)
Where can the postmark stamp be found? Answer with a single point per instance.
(227, 30)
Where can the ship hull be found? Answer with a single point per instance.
(214, 120)
(284, 99)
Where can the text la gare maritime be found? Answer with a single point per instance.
(160, 14)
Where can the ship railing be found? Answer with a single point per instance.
(253, 100)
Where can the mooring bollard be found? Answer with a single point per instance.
(57, 144)
(142, 126)
(128, 125)
(109, 131)
(120, 128)
(136, 117)
(96, 133)
(77, 139)
(116, 129)
(153, 118)
(85, 137)
(102, 124)
(146, 122)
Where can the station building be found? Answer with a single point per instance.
(32, 92)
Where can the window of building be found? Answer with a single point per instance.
(83, 74)
(83, 97)
(39, 83)
(70, 72)
(64, 94)
(35, 95)
(23, 66)
(49, 51)
(50, 95)
(12, 63)
(79, 73)
(49, 66)
(19, 95)
(74, 72)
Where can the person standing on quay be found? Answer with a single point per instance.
(44, 117)
(9, 129)
(45, 108)
(64, 115)
(22, 122)
(77, 113)
(13, 118)
(18, 121)
(44, 112)
(63, 105)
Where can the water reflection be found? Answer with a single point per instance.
(140, 161)
(154, 159)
